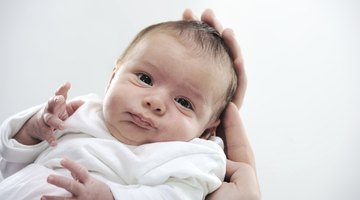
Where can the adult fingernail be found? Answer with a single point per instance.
(232, 32)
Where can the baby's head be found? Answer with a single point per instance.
(171, 83)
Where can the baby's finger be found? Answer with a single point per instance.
(77, 171)
(45, 197)
(209, 17)
(68, 184)
(51, 139)
(73, 106)
(63, 89)
(55, 111)
(53, 121)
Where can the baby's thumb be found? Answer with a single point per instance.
(72, 106)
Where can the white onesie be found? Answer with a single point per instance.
(163, 170)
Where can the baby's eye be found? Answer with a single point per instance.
(184, 103)
(145, 78)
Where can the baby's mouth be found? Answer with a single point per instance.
(142, 121)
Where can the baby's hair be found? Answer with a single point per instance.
(204, 40)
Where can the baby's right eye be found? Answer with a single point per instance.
(145, 78)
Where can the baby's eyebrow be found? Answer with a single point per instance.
(195, 92)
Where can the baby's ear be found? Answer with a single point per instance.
(210, 130)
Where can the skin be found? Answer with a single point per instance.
(82, 186)
(174, 97)
(241, 169)
(228, 35)
(242, 181)
(173, 93)
(41, 126)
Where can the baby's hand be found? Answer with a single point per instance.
(53, 115)
(42, 125)
(82, 186)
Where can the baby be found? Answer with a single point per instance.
(147, 139)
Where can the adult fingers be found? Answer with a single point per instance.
(237, 145)
(230, 40)
(209, 17)
(235, 52)
(245, 179)
(231, 168)
(189, 15)
(239, 95)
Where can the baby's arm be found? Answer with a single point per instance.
(51, 117)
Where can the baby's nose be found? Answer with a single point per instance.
(155, 104)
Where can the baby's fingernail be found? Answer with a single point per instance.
(62, 126)
(63, 161)
(50, 178)
(53, 143)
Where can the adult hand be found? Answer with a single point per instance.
(242, 183)
(228, 35)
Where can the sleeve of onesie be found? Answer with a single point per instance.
(190, 176)
(14, 155)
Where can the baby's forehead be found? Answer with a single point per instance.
(215, 68)
(203, 71)
(194, 46)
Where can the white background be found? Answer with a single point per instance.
(302, 108)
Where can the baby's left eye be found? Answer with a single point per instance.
(184, 103)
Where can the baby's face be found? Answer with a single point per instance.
(162, 92)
